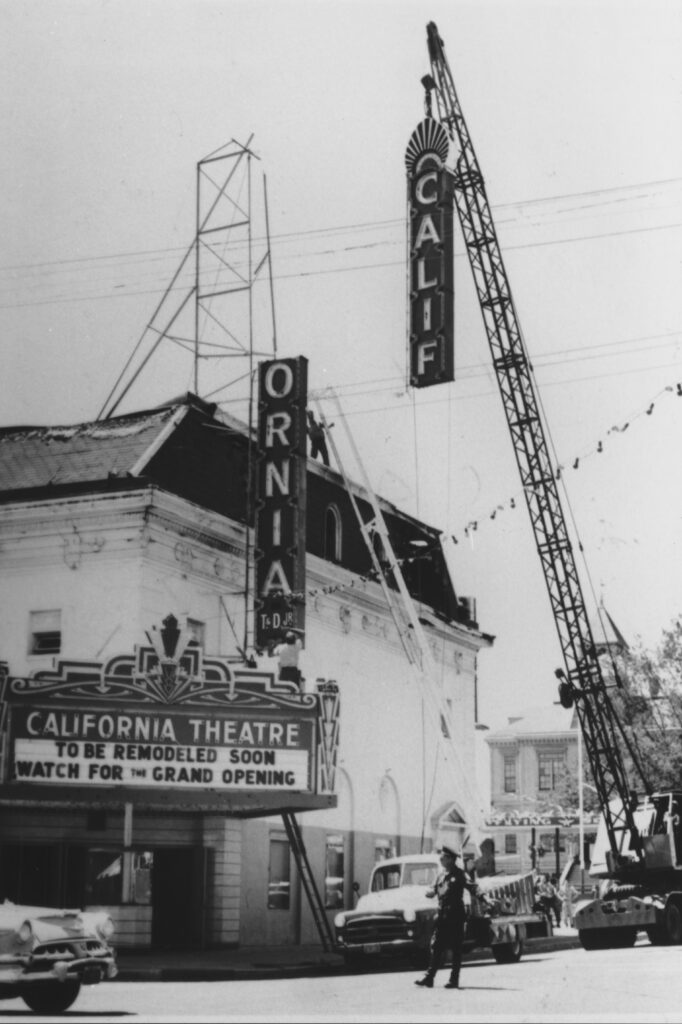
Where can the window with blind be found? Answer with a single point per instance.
(45, 632)
(510, 774)
(551, 770)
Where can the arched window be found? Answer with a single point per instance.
(332, 534)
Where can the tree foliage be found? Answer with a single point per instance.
(566, 793)
(646, 691)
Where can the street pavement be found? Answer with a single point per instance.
(641, 984)
(274, 961)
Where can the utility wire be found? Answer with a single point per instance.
(311, 232)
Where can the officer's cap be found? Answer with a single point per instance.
(449, 851)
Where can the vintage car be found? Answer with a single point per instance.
(47, 954)
(396, 917)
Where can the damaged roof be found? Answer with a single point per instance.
(189, 448)
(34, 457)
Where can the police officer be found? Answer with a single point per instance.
(449, 931)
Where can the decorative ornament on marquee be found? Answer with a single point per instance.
(170, 669)
(169, 644)
(328, 695)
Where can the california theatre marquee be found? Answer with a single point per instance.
(151, 726)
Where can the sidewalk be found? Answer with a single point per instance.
(275, 961)
(227, 964)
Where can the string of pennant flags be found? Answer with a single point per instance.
(369, 577)
(473, 524)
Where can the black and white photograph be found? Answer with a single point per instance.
(340, 510)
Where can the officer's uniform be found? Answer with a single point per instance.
(449, 930)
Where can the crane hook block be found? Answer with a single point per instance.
(566, 694)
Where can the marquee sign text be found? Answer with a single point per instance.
(162, 748)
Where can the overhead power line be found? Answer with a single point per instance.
(320, 272)
(330, 230)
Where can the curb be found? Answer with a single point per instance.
(190, 973)
(199, 972)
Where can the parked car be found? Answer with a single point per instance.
(396, 918)
(47, 954)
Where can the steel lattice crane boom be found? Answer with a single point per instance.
(584, 681)
(641, 832)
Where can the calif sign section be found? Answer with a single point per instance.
(430, 197)
(189, 749)
(281, 499)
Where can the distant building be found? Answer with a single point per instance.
(534, 803)
(530, 759)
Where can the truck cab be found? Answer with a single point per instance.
(395, 917)
(658, 819)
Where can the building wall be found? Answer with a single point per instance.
(116, 565)
(80, 556)
(223, 899)
(529, 816)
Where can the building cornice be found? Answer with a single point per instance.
(534, 738)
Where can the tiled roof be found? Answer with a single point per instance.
(37, 456)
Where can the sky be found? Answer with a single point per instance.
(574, 110)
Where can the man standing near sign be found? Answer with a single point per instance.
(287, 653)
(318, 442)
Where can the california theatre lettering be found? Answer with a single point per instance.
(176, 728)
(431, 256)
(173, 749)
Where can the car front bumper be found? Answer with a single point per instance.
(87, 970)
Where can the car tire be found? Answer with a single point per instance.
(622, 938)
(509, 952)
(354, 961)
(51, 996)
(593, 938)
(673, 923)
(607, 938)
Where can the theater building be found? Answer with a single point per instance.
(148, 761)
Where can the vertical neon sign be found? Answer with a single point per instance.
(429, 182)
(281, 499)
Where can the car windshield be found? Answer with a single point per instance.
(419, 874)
(386, 878)
(393, 875)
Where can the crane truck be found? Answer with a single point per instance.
(638, 851)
